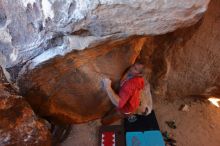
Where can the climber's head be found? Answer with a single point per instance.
(137, 68)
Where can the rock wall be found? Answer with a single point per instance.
(70, 88)
(187, 61)
(195, 66)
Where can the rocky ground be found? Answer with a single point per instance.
(19, 125)
(200, 126)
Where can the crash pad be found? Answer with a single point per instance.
(147, 138)
(112, 135)
(141, 123)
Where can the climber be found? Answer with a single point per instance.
(128, 99)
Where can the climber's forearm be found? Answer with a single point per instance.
(113, 96)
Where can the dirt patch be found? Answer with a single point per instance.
(200, 126)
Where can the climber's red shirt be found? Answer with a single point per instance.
(130, 94)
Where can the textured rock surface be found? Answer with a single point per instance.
(70, 87)
(187, 61)
(19, 125)
(195, 66)
(43, 26)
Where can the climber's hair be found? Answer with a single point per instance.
(140, 61)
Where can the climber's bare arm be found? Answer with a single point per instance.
(111, 93)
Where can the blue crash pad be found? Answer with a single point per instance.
(147, 138)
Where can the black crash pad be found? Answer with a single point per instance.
(143, 123)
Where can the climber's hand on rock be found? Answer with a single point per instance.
(106, 83)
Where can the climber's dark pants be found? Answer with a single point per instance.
(113, 116)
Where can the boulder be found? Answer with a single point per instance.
(19, 125)
(69, 88)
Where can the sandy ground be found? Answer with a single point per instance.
(200, 126)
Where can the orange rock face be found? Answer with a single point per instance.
(19, 125)
(70, 88)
